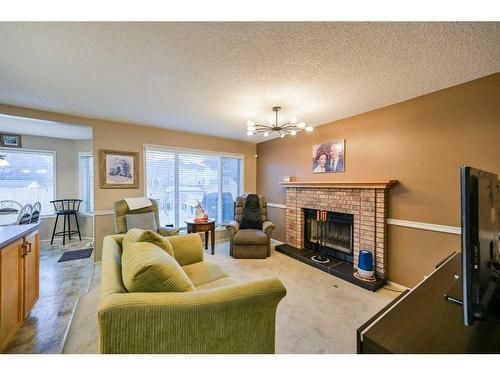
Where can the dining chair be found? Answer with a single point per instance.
(35, 215)
(8, 207)
(24, 216)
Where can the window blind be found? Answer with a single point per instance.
(178, 180)
(86, 173)
(28, 178)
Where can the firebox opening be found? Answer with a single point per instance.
(339, 233)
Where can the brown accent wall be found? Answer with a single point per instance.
(413, 253)
(128, 137)
(421, 142)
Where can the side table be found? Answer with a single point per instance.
(206, 227)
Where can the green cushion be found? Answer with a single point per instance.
(188, 248)
(204, 272)
(148, 268)
(139, 235)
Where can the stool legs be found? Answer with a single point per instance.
(54, 231)
(67, 217)
(69, 227)
(77, 226)
(64, 230)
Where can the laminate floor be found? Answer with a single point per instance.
(60, 286)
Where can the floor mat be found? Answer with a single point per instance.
(75, 254)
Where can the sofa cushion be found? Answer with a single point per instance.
(188, 248)
(204, 272)
(148, 268)
(144, 221)
(139, 235)
(250, 236)
(225, 281)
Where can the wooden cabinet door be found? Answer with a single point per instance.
(11, 285)
(31, 263)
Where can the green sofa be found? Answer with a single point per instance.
(219, 316)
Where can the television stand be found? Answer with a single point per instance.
(423, 322)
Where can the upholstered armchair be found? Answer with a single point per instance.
(122, 210)
(250, 243)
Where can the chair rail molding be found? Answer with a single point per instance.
(103, 212)
(276, 205)
(425, 226)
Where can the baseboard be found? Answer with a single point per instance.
(396, 285)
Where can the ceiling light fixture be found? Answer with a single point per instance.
(287, 128)
(3, 161)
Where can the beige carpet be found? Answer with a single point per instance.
(320, 313)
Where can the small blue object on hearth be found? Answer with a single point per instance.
(365, 264)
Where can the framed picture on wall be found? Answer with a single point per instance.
(329, 157)
(10, 140)
(118, 169)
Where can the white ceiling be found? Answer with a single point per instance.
(28, 126)
(211, 77)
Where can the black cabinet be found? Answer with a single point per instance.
(423, 321)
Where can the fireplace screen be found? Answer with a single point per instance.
(339, 233)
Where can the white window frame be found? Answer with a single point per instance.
(195, 151)
(37, 151)
(80, 154)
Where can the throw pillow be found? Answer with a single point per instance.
(147, 268)
(144, 221)
(139, 235)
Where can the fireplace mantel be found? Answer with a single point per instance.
(383, 184)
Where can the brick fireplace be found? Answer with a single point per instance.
(365, 201)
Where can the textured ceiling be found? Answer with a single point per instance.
(211, 77)
(28, 126)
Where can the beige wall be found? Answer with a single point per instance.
(133, 138)
(128, 137)
(67, 183)
(420, 142)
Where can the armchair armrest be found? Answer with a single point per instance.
(233, 227)
(267, 227)
(167, 232)
(237, 318)
(187, 249)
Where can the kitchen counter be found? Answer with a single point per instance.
(11, 233)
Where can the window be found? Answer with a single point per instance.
(86, 175)
(29, 177)
(179, 179)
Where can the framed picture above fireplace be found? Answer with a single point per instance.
(329, 157)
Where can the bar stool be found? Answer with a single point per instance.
(66, 207)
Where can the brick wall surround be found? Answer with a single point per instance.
(367, 205)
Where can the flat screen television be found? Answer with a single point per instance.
(480, 208)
